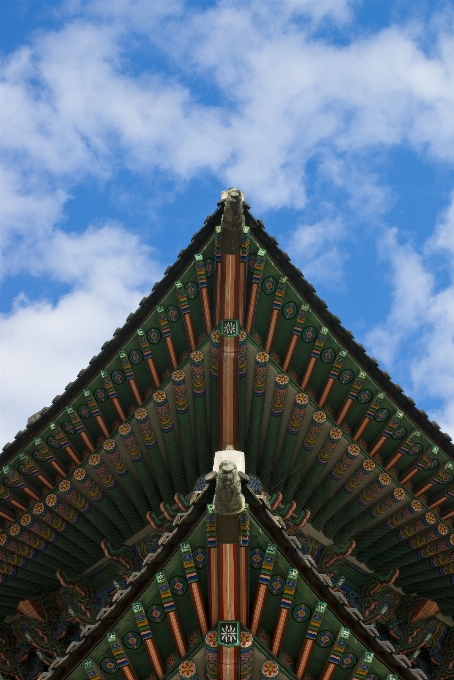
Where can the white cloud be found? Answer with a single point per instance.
(44, 345)
(73, 107)
(316, 249)
(416, 342)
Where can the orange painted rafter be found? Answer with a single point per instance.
(111, 391)
(262, 589)
(314, 356)
(64, 444)
(311, 635)
(334, 372)
(80, 428)
(166, 334)
(130, 377)
(171, 612)
(147, 353)
(186, 313)
(423, 462)
(277, 306)
(387, 432)
(96, 413)
(440, 476)
(203, 288)
(351, 397)
(244, 253)
(296, 333)
(259, 266)
(120, 657)
(370, 413)
(284, 611)
(403, 449)
(194, 586)
(147, 637)
(336, 653)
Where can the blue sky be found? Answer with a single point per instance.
(122, 122)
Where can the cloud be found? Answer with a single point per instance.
(316, 249)
(416, 341)
(44, 345)
(73, 106)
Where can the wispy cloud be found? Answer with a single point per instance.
(45, 344)
(416, 341)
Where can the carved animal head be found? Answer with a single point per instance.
(228, 499)
(233, 217)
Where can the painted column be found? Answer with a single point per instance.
(244, 566)
(212, 548)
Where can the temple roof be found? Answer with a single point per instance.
(352, 482)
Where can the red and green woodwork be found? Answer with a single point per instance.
(256, 413)
(309, 641)
(327, 517)
(147, 636)
(121, 451)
